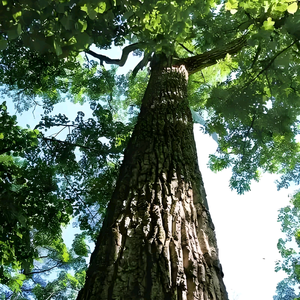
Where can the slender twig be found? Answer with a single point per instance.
(270, 62)
(56, 134)
(269, 84)
(189, 51)
(256, 56)
(203, 76)
(68, 143)
(51, 295)
(66, 125)
(43, 271)
(251, 125)
(84, 204)
(56, 124)
(87, 58)
(33, 111)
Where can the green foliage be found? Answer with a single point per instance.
(285, 291)
(80, 246)
(67, 280)
(32, 210)
(255, 113)
(32, 79)
(86, 160)
(50, 184)
(12, 137)
(129, 94)
(62, 27)
(272, 9)
(289, 248)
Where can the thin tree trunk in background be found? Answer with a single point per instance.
(158, 241)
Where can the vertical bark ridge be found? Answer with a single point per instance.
(157, 241)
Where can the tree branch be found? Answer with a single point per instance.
(198, 62)
(120, 62)
(141, 64)
(68, 143)
(256, 56)
(59, 264)
(185, 48)
(271, 62)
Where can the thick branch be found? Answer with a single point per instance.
(120, 62)
(141, 64)
(198, 62)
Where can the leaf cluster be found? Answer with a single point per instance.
(289, 248)
(32, 79)
(61, 27)
(32, 210)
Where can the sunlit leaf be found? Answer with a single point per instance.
(101, 8)
(268, 24)
(292, 8)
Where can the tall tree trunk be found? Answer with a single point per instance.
(158, 241)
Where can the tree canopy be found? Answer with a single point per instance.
(247, 91)
(256, 74)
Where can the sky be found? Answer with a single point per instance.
(246, 226)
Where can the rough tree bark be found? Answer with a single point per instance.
(158, 240)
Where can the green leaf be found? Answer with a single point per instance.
(268, 24)
(66, 22)
(292, 8)
(281, 6)
(232, 6)
(84, 24)
(83, 41)
(101, 8)
(89, 10)
(92, 14)
(57, 48)
(17, 15)
(85, 7)
(14, 32)
(19, 235)
(283, 61)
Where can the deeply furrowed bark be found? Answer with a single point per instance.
(157, 240)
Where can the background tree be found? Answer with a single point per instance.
(42, 187)
(289, 249)
(285, 291)
(242, 62)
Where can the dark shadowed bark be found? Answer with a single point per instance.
(158, 241)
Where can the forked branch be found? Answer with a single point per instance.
(120, 62)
